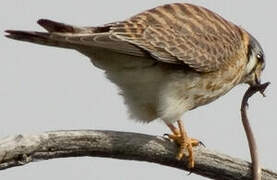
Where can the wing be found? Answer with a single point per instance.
(182, 33)
(174, 33)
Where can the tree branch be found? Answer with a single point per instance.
(23, 149)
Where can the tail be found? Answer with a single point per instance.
(67, 36)
(56, 35)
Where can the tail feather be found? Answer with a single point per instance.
(46, 38)
(37, 37)
(72, 37)
(26, 35)
(52, 26)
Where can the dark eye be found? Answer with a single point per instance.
(261, 60)
(260, 57)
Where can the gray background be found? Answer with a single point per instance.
(44, 88)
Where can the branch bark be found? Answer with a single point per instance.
(23, 149)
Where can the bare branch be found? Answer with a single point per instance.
(22, 149)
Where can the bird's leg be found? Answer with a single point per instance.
(181, 138)
(173, 129)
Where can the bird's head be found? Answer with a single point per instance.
(255, 63)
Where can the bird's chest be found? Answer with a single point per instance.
(186, 91)
(209, 91)
(214, 85)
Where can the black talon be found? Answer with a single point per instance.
(202, 144)
(189, 173)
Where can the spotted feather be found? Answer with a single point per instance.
(174, 33)
(183, 33)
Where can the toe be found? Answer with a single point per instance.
(185, 144)
(181, 153)
(173, 137)
(195, 142)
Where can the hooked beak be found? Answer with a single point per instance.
(257, 80)
(256, 84)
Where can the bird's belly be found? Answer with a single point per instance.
(138, 78)
(157, 90)
(139, 87)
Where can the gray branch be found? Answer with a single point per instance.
(23, 149)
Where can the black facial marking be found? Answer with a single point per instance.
(250, 52)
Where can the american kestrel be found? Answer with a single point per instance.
(166, 60)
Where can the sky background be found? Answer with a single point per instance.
(45, 88)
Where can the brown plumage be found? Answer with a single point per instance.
(174, 33)
(183, 33)
(166, 61)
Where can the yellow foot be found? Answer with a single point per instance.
(180, 137)
(185, 144)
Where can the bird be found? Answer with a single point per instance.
(166, 61)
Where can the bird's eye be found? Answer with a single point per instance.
(260, 57)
